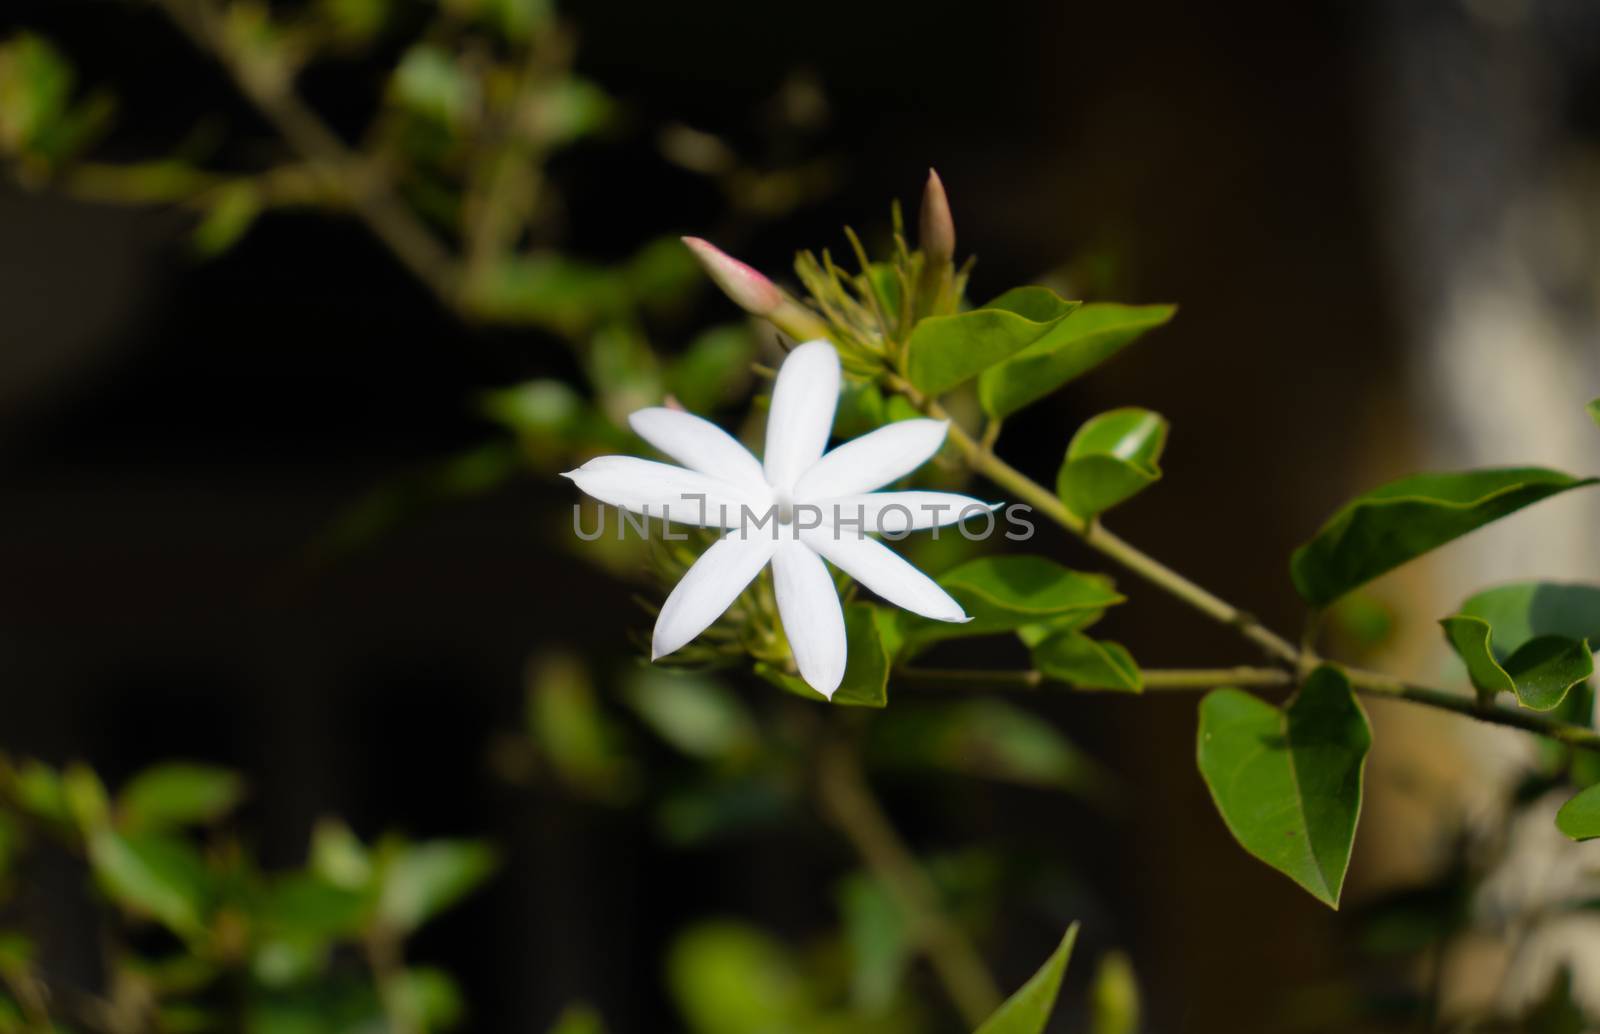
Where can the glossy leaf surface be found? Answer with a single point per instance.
(1073, 347)
(1112, 458)
(1086, 663)
(1288, 781)
(1028, 1011)
(1400, 521)
(945, 351)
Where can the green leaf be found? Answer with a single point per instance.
(730, 978)
(699, 717)
(1579, 818)
(152, 874)
(1404, 519)
(1528, 638)
(1077, 660)
(714, 369)
(306, 906)
(1114, 997)
(424, 879)
(987, 739)
(1027, 1011)
(879, 939)
(1288, 782)
(178, 794)
(1540, 673)
(1112, 458)
(866, 673)
(38, 791)
(577, 738)
(1593, 409)
(945, 351)
(234, 209)
(1073, 347)
(1006, 593)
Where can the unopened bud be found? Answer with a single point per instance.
(937, 231)
(749, 290)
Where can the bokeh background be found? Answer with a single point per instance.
(1379, 221)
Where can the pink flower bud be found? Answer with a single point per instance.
(937, 230)
(749, 290)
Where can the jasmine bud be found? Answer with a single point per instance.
(936, 231)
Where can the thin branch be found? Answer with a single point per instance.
(848, 800)
(1154, 678)
(343, 168)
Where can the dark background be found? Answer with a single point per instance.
(175, 435)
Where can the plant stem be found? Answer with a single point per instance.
(1154, 678)
(1376, 684)
(985, 462)
(848, 800)
(271, 92)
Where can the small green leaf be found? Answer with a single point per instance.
(1028, 1010)
(1073, 347)
(424, 879)
(1528, 638)
(1288, 782)
(1579, 818)
(866, 673)
(1077, 660)
(1400, 521)
(1540, 672)
(1112, 458)
(1593, 409)
(987, 739)
(152, 874)
(178, 794)
(1114, 997)
(38, 790)
(699, 717)
(730, 978)
(714, 369)
(233, 211)
(1007, 593)
(305, 906)
(879, 939)
(945, 351)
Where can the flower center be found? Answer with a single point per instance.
(785, 508)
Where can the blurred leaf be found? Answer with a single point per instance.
(432, 996)
(1363, 621)
(86, 797)
(550, 290)
(178, 794)
(693, 814)
(579, 1019)
(866, 673)
(1111, 458)
(1005, 593)
(545, 411)
(234, 209)
(945, 351)
(154, 875)
(1593, 409)
(307, 906)
(338, 857)
(1557, 1012)
(1086, 663)
(583, 746)
(987, 738)
(431, 83)
(355, 19)
(1288, 782)
(861, 409)
(1028, 1010)
(1114, 997)
(37, 117)
(714, 370)
(1085, 339)
(698, 716)
(1579, 818)
(570, 109)
(1404, 519)
(881, 946)
(516, 20)
(1540, 673)
(730, 978)
(38, 791)
(422, 880)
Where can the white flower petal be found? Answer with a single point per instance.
(662, 490)
(801, 417)
(812, 618)
(708, 589)
(899, 512)
(882, 570)
(873, 460)
(697, 444)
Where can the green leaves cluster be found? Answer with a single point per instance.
(282, 942)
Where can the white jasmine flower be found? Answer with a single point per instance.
(791, 510)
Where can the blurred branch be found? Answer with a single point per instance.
(1154, 678)
(848, 800)
(269, 87)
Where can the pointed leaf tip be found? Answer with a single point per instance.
(1028, 1010)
